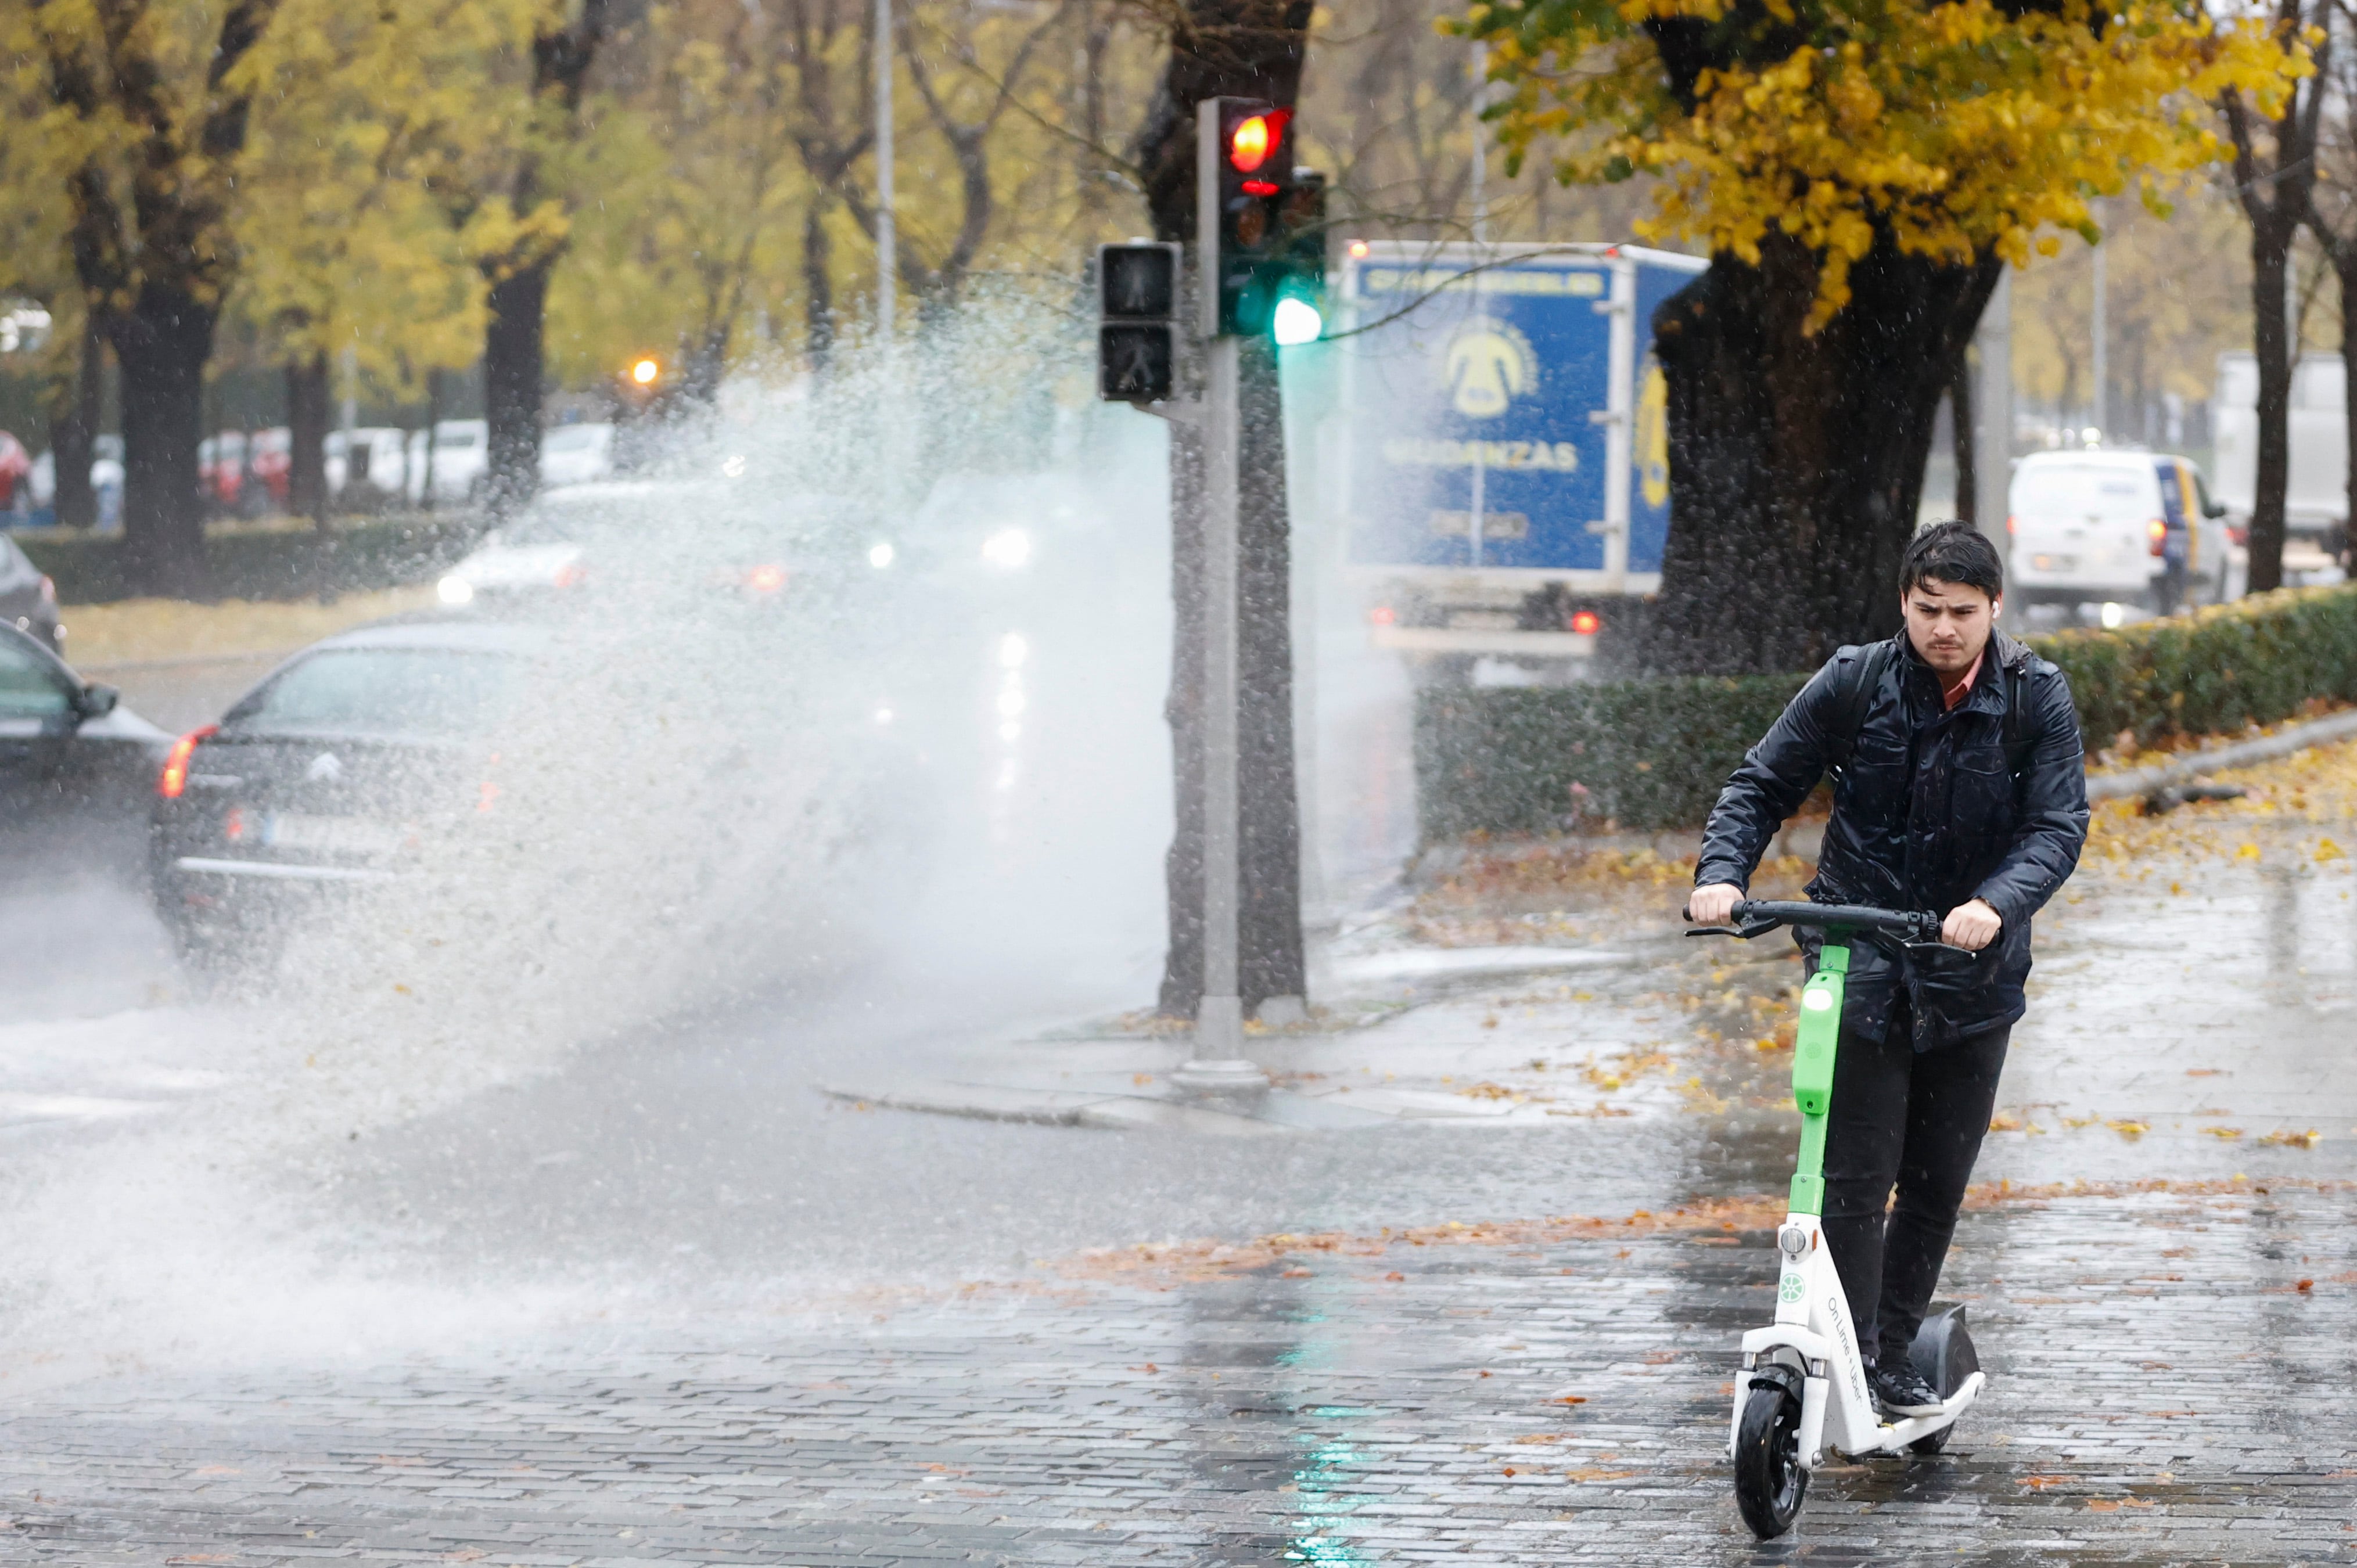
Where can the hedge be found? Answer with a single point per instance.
(2224, 668)
(1652, 754)
(269, 562)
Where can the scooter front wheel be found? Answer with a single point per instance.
(1769, 1479)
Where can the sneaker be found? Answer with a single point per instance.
(1901, 1391)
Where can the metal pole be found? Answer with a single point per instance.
(1992, 416)
(1219, 1024)
(1217, 1063)
(1480, 178)
(1477, 524)
(2102, 409)
(886, 239)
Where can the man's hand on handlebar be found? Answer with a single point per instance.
(1971, 927)
(1713, 904)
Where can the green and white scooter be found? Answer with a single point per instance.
(1802, 1393)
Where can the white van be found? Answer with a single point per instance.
(2100, 526)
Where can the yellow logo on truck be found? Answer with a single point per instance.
(1489, 364)
(1652, 433)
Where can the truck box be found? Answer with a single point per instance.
(2316, 500)
(1505, 442)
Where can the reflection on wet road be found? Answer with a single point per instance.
(1531, 1403)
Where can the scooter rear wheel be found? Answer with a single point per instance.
(1943, 1355)
(1769, 1479)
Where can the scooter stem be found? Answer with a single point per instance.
(1812, 1072)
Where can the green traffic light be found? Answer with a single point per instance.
(1297, 322)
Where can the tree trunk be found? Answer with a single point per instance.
(73, 431)
(513, 368)
(2271, 345)
(1231, 49)
(1796, 460)
(434, 377)
(818, 284)
(2347, 273)
(307, 436)
(161, 345)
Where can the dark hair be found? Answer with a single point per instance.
(1952, 551)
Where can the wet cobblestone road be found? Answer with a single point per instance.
(2170, 1376)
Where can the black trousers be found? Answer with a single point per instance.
(1914, 1121)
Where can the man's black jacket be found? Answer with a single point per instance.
(1927, 815)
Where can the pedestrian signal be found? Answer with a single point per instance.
(1138, 306)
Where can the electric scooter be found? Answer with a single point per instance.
(1803, 1392)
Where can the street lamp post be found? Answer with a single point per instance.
(887, 241)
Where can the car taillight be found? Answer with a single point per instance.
(571, 574)
(766, 579)
(1587, 623)
(2237, 537)
(175, 776)
(2159, 530)
(2012, 525)
(49, 591)
(1381, 615)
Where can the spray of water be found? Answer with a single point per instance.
(861, 672)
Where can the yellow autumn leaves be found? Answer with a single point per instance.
(1959, 129)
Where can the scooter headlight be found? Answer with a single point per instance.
(1792, 1240)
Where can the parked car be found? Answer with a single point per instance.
(336, 772)
(607, 541)
(75, 766)
(461, 455)
(2110, 526)
(28, 600)
(15, 470)
(246, 473)
(576, 455)
(369, 457)
(105, 479)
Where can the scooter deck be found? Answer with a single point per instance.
(1897, 1434)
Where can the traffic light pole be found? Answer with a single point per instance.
(1219, 1018)
(1218, 1062)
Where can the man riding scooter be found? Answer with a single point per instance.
(1959, 788)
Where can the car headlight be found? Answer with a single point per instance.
(455, 590)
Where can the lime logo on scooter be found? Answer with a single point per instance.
(1803, 1394)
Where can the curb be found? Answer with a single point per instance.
(2266, 747)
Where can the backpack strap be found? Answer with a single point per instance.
(2020, 739)
(1859, 673)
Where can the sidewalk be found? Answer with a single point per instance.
(2181, 981)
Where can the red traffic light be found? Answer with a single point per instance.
(1252, 141)
(1248, 144)
(1587, 623)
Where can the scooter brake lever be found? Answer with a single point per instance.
(1714, 931)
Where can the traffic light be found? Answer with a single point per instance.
(1300, 315)
(1138, 307)
(1239, 210)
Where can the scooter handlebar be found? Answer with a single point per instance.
(1756, 917)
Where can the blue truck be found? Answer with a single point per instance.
(1505, 460)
